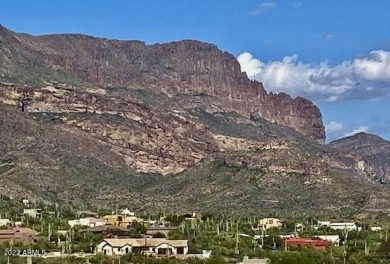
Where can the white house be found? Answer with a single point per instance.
(376, 228)
(88, 221)
(149, 246)
(344, 226)
(335, 239)
(19, 223)
(34, 213)
(4, 222)
(267, 223)
(127, 212)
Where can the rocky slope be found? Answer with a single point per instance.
(185, 67)
(97, 121)
(373, 149)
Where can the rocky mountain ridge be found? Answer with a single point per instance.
(93, 121)
(185, 67)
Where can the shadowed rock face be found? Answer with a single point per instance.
(184, 67)
(374, 150)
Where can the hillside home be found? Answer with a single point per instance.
(159, 247)
(122, 220)
(25, 236)
(4, 222)
(88, 221)
(344, 226)
(193, 217)
(267, 223)
(307, 242)
(127, 212)
(19, 223)
(335, 239)
(34, 213)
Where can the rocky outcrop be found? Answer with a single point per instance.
(373, 152)
(149, 140)
(185, 67)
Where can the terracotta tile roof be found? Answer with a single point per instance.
(140, 242)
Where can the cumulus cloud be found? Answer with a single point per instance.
(333, 126)
(264, 7)
(357, 130)
(363, 78)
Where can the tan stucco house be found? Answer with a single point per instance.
(150, 246)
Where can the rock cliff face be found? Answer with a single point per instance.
(184, 67)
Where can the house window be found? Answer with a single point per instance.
(127, 250)
(164, 251)
(180, 250)
(105, 252)
(271, 222)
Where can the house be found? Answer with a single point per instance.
(127, 212)
(307, 242)
(247, 260)
(193, 216)
(62, 232)
(150, 246)
(122, 220)
(267, 223)
(19, 223)
(4, 222)
(18, 235)
(376, 228)
(88, 221)
(344, 226)
(162, 230)
(34, 213)
(287, 236)
(335, 239)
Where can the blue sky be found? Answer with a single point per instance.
(336, 53)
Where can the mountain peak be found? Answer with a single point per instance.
(368, 137)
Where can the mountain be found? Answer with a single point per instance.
(178, 68)
(99, 122)
(372, 148)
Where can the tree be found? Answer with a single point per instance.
(158, 235)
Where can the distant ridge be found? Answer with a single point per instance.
(372, 148)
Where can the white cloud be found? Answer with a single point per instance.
(333, 127)
(249, 64)
(363, 78)
(263, 8)
(357, 130)
(329, 37)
